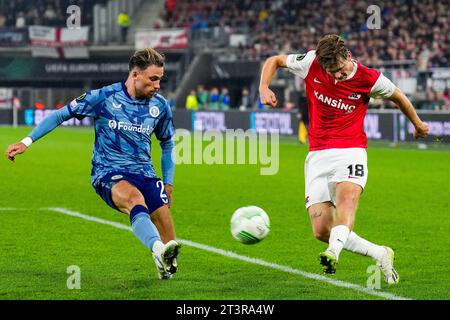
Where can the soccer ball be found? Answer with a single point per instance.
(250, 224)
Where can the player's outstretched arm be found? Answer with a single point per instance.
(421, 128)
(267, 74)
(48, 124)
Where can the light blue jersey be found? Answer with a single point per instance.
(123, 130)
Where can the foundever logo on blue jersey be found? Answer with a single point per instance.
(113, 124)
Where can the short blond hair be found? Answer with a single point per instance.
(146, 57)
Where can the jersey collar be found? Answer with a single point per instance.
(355, 68)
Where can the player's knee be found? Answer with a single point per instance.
(322, 234)
(135, 199)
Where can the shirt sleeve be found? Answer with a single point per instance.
(167, 161)
(299, 64)
(86, 105)
(383, 88)
(165, 128)
(49, 123)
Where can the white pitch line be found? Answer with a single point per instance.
(233, 255)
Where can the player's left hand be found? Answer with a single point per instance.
(15, 149)
(421, 130)
(169, 189)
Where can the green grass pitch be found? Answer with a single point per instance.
(405, 205)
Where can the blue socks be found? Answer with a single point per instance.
(143, 227)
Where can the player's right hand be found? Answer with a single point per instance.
(268, 97)
(421, 131)
(14, 149)
(169, 189)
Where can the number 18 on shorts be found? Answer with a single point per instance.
(325, 168)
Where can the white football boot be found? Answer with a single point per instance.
(165, 258)
(170, 255)
(386, 264)
(162, 273)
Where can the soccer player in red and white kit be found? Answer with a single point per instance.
(338, 91)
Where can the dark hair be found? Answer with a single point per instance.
(144, 58)
(331, 50)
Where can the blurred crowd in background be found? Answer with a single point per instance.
(23, 13)
(203, 98)
(410, 29)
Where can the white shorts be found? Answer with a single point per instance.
(325, 168)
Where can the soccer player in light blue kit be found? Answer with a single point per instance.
(126, 114)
